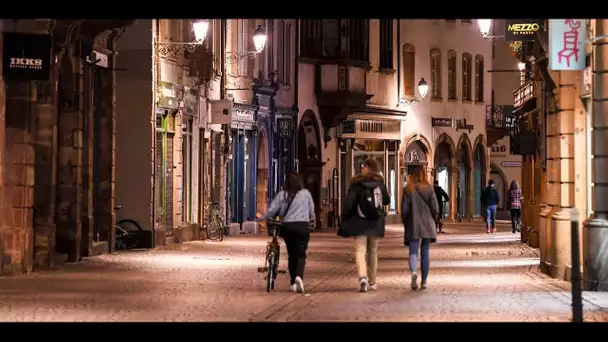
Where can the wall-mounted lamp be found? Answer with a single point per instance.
(200, 27)
(423, 89)
(485, 26)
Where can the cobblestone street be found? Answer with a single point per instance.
(474, 277)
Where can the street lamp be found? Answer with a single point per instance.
(423, 89)
(485, 26)
(200, 27)
(166, 49)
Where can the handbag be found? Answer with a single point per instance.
(274, 224)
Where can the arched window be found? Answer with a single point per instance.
(466, 76)
(436, 73)
(409, 67)
(479, 78)
(452, 75)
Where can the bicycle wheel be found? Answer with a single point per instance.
(271, 273)
(132, 233)
(276, 262)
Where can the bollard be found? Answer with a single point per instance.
(577, 295)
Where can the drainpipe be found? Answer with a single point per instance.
(597, 225)
(398, 59)
(296, 98)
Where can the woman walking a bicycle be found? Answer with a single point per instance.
(295, 207)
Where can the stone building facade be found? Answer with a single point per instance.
(563, 182)
(373, 89)
(57, 149)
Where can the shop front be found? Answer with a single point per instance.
(362, 139)
(167, 125)
(240, 170)
(276, 145)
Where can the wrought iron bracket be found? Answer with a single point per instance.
(234, 57)
(403, 102)
(172, 49)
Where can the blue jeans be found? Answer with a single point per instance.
(425, 258)
(491, 216)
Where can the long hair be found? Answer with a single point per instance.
(293, 184)
(514, 185)
(417, 177)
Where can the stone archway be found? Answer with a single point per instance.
(263, 174)
(309, 158)
(501, 184)
(464, 160)
(446, 171)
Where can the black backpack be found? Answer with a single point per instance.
(370, 204)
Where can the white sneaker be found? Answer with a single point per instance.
(293, 288)
(363, 285)
(299, 285)
(414, 281)
(373, 287)
(423, 286)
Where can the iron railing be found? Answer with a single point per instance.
(523, 93)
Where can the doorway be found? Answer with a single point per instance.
(262, 174)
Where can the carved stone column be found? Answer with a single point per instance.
(560, 165)
(596, 227)
(69, 164)
(455, 174)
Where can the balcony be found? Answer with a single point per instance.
(524, 95)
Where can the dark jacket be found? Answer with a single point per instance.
(440, 194)
(352, 223)
(419, 211)
(489, 196)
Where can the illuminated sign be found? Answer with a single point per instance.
(522, 29)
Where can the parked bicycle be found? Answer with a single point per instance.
(215, 226)
(128, 233)
(273, 254)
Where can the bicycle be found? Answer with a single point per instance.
(215, 223)
(128, 233)
(273, 254)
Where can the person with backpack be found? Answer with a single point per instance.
(514, 199)
(419, 212)
(489, 200)
(295, 207)
(440, 194)
(363, 218)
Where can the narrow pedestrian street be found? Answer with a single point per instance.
(474, 277)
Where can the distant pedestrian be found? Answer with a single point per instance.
(363, 218)
(295, 207)
(514, 199)
(489, 200)
(441, 195)
(419, 210)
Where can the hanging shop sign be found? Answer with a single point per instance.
(511, 163)
(26, 57)
(284, 127)
(567, 39)
(442, 122)
(461, 124)
(522, 29)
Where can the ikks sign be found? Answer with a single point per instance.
(26, 57)
(522, 29)
(567, 39)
